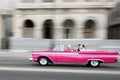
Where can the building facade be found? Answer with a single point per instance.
(5, 28)
(62, 19)
(114, 23)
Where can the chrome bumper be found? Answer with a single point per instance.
(118, 59)
(30, 59)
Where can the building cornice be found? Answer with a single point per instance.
(79, 5)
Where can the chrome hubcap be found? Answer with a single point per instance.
(43, 61)
(94, 63)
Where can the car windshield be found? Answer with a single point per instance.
(58, 47)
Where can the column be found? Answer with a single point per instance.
(58, 1)
(101, 33)
(78, 32)
(58, 33)
(1, 31)
(38, 32)
(17, 26)
(58, 28)
(2, 35)
(101, 28)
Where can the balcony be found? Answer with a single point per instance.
(39, 4)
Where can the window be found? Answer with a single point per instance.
(28, 1)
(28, 24)
(89, 29)
(47, 0)
(68, 28)
(114, 32)
(93, 0)
(28, 29)
(48, 29)
(69, 0)
(89, 24)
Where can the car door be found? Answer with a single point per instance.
(82, 57)
(66, 57)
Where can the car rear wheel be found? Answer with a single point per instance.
(94, 63)
(43, 61)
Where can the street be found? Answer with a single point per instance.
(16, 66)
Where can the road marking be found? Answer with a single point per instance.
(58, 70)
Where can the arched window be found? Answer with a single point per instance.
(68, 28)
(28, 1)
(89, 29)
(89, 24)
(48, 29)
(28, 24)
(48, 0)
(28, 29)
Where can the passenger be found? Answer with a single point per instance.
(59, 47)
(81, 47)
(68, 49)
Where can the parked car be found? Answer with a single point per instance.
(92, 58)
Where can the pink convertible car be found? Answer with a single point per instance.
(92, 58)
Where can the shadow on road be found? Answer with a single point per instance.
(80, 66)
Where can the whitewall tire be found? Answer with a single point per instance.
(94, 63)
(43, 61)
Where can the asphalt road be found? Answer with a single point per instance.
(16, 66)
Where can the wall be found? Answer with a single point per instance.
(59, 16)
(45, 44)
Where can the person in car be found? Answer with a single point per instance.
(81, 47)
(68, 49)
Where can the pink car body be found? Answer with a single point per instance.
(89, 57)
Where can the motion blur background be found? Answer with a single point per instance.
(41, 24)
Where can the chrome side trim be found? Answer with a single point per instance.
(30, 59)
(97, 59)
(118, 59)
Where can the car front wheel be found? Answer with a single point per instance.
(94, 63)
(43, 61)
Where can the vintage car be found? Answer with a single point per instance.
(90, 57)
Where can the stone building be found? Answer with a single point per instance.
(61, 19)
(114, 23)
(54, 19)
